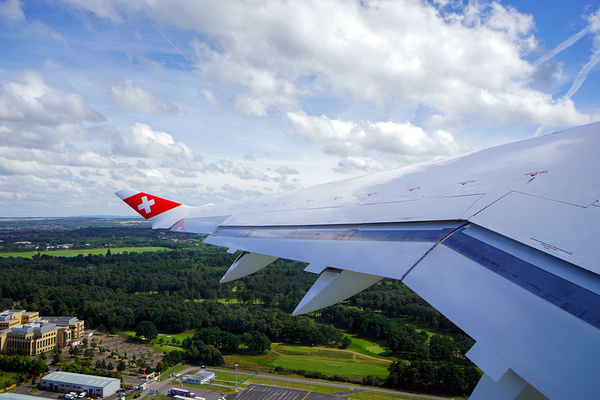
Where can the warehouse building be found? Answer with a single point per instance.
(70, 382)
(200, 378)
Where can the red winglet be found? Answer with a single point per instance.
(149, 206)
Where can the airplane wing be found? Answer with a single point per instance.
(503, 242)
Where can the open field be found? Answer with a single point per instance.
(6, 378)
(330, 362)
(366, 347)
(381, 396)
(168, 338)
(85, 252)
(352, 367)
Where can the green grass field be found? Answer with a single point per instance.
(168, 338)
(352, 368)
(330, 362)
(366, 347)
(85, 252)
(6, 378)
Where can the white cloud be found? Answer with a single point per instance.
(248, 105)
(43, 31)
(145, 61)
(237, 169)
(51, 63)
(210, 96)
(390, 82)
(285, 170)
(451, 62)
(37, 115)
(125, 95)
(139, 140)
(10, 11)
(34, 99)
(349, 138)
(32, 168)
(350, 164)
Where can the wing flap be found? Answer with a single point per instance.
(533, 324)
(388, 251)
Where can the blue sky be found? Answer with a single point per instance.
(204, 102)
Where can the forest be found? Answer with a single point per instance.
(179, 289)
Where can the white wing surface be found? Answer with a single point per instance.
(503, 242)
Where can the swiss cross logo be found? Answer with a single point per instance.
(146, 204)
(149, 206)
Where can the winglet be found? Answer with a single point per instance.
(160, 212)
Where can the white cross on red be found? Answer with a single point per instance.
(146, 204)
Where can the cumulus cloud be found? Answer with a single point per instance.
(466, 63)
(408, 50)
(40, 170)
(285, 170)
(125, 95)
(139, 140)
(237, 169)
(34, 99)
(350, 164)
(349, 138)
(35, 114)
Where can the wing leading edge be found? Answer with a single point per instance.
(501, 241)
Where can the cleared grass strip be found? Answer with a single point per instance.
(85, 252)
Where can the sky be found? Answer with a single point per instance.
(210, 101)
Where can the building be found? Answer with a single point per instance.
(32, 339)
(27, 333)
(75, 325)
(200, 378)
(69, 382)
(11, 318)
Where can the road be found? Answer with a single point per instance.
(164, 386)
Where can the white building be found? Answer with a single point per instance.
(70, 382)
(200, 378)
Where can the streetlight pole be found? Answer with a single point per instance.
(236, 377)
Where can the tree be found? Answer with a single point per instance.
(256, 341)
(121, 366)
(147, 330)
(346, 342)
(88, 353)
